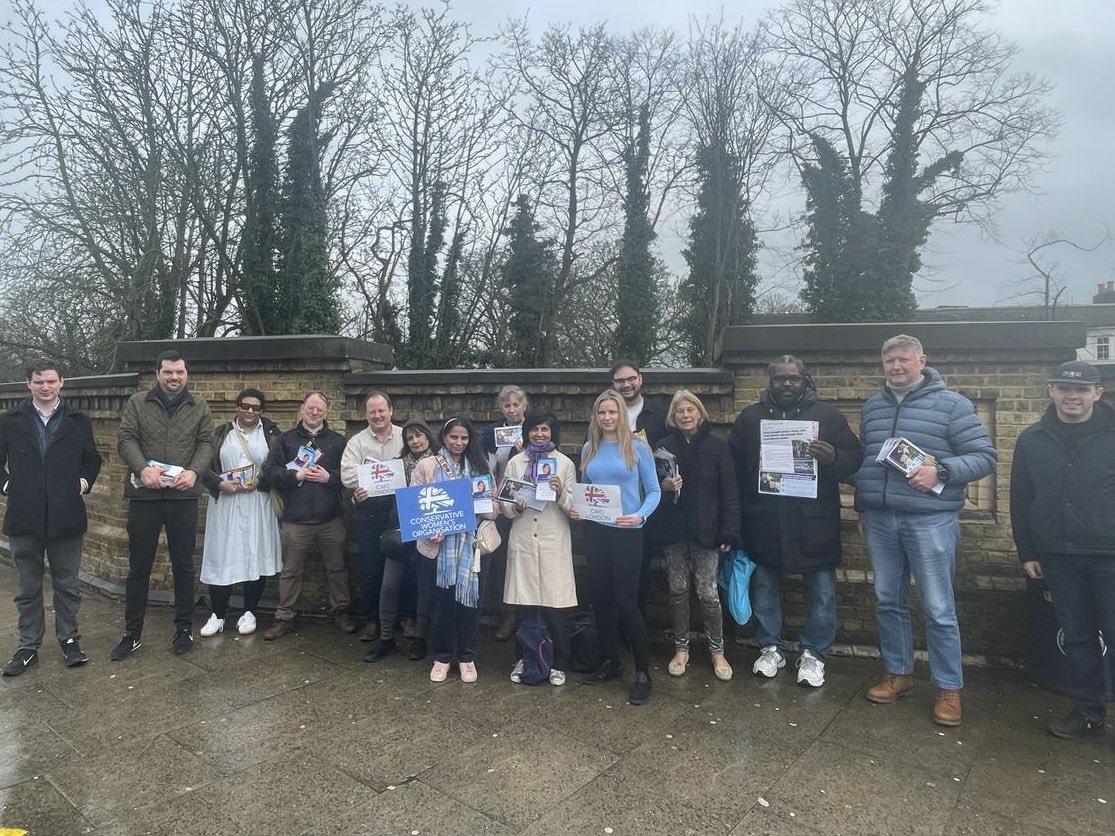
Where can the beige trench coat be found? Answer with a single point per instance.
(539, 548)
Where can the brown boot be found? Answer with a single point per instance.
(344, 621)
(946, 710)
(371, 632)
(892, 686)
(278, 629)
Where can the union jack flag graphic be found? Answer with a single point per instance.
(380, 471)
(595, 496)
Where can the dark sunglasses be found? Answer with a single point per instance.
(250, 407)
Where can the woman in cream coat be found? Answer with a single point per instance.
(539, 548)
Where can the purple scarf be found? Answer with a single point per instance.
(535, 451)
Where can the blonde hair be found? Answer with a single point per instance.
(685, 395)
(903, 341)
(623, 432)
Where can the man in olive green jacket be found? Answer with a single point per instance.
(165, 440)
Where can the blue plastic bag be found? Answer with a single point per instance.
(734, 577)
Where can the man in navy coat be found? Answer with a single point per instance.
(49, 459)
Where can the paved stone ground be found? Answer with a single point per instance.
(299, 736)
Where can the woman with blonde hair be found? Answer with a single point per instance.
(701, 519)
(613, 456)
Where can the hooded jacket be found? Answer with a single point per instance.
(1061, 498)
(940, 422)
(308, 502)
(785, 533)
(707, 512)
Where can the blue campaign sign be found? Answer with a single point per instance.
(425, 510)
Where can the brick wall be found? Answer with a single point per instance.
(999, 366)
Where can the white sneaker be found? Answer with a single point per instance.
(557, 677)
(768, 663)
(517, 672)
(213, 626)
(246, 625)
(811, 670)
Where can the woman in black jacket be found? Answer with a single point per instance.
(700, 505)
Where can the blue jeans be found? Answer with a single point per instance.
(819, 631)
(1083, 589)
(923, 545)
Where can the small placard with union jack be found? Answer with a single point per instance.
(381, 478)
(598, 503)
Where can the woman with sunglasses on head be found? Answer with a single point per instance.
(613, 456)
(539, 549)
(455, 608)
(242, 543)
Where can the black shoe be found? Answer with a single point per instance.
(128, 645)
(639, 694)
(75, 656)
(379, 649)
(507, 627)
(611, 669)
(1073, 725)
(183, 642)
(24, 658)
(417, 649)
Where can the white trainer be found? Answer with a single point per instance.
(246, 625)
(811, 670)
(557, 677)
(213, 626)
(768, 663)
(517, 672)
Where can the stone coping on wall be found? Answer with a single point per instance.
(126, 380)
(937, 337)
(531, 379)
(142, 353)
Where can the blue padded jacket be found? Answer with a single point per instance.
(937, 420)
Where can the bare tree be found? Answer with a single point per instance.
(1045, 284)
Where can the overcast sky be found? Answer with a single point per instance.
(1070, 43)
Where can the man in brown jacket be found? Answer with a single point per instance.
(165, 440)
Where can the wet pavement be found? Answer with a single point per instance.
(300, 736)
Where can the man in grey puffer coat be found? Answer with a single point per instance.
(912, 527)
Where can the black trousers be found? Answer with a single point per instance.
(146, 519)
(615, 562)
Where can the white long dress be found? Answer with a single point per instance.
(242, 541)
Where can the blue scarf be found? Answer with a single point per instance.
(454, 558)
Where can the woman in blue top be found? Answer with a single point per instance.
(613, 456)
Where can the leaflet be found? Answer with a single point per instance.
(381, 478)
(785, 466)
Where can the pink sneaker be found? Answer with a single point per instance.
(468, 671)
(439, 671)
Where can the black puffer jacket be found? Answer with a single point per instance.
(708, 510)
(308, 502)
(785, 533)
(1061, 499)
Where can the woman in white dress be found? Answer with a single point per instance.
(242, 542)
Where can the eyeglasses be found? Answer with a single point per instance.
(620, 381)
(781, 379)
(250, 407)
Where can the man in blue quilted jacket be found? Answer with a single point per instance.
(911, 523)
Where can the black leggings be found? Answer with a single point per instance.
(219, 595)
(615, 562)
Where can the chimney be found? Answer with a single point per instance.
(1105, 293)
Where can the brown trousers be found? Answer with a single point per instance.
(298, 540)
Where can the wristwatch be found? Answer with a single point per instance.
(942, 472)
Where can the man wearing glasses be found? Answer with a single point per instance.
(645, 419)
(305, 464)
(788, 535)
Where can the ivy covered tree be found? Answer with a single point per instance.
(528, 276)
(720, 288)
(427, 239)
(637, 293)
(308, 286)
(258, 284)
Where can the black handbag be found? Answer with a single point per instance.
(392, 547)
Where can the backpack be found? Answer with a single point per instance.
(585, 649)
(536, 649)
